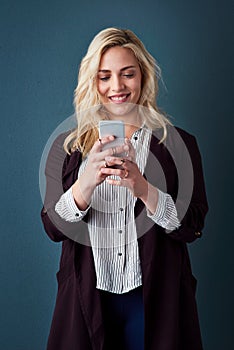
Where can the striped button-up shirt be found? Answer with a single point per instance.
(112, 227)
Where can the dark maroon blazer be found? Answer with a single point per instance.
(171, 320)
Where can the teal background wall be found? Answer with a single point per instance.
(41, 45)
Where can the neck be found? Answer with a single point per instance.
(132, 121)
(130, 129)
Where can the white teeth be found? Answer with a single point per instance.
(118, 98)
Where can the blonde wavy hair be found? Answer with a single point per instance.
(86, 97)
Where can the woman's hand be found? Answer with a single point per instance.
(131, 177)
(128, 171)
(97, 161)
(93, 176)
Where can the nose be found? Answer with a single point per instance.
(117, 84)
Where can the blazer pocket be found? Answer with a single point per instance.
(189, 284)
(64, 273)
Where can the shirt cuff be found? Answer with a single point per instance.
(67, 209)
(165, 214)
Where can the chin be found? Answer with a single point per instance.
(120, 109)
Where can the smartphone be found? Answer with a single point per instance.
(115, 128)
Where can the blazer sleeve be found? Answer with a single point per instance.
(191, 202)
(58, 164)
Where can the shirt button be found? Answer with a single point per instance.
(119, 254)
(135, 138)
(120, 231)
(77, 214)
(121, 209)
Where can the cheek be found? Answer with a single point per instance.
(137, 87)
(101, 88)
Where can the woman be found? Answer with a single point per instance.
(125, 278)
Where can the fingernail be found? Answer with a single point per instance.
(108, 158)
(126, 148)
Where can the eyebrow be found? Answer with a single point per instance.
(121, 70)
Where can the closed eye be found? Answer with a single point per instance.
(128, 75)
(104, 78)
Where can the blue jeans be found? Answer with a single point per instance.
(123, 320)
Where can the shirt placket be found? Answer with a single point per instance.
(120, 251)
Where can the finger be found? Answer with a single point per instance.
(97, 147)
(102, 176)
(114, 161)
(104, 164)
(121, 149)
(126, 173)
(129, 159)
(114, 182)
(121, 163)
(113, 171)
(131, 152)
(107, 139)
(112, 151)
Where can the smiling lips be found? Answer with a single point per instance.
(119, 98)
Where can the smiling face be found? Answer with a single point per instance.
(119, 82)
